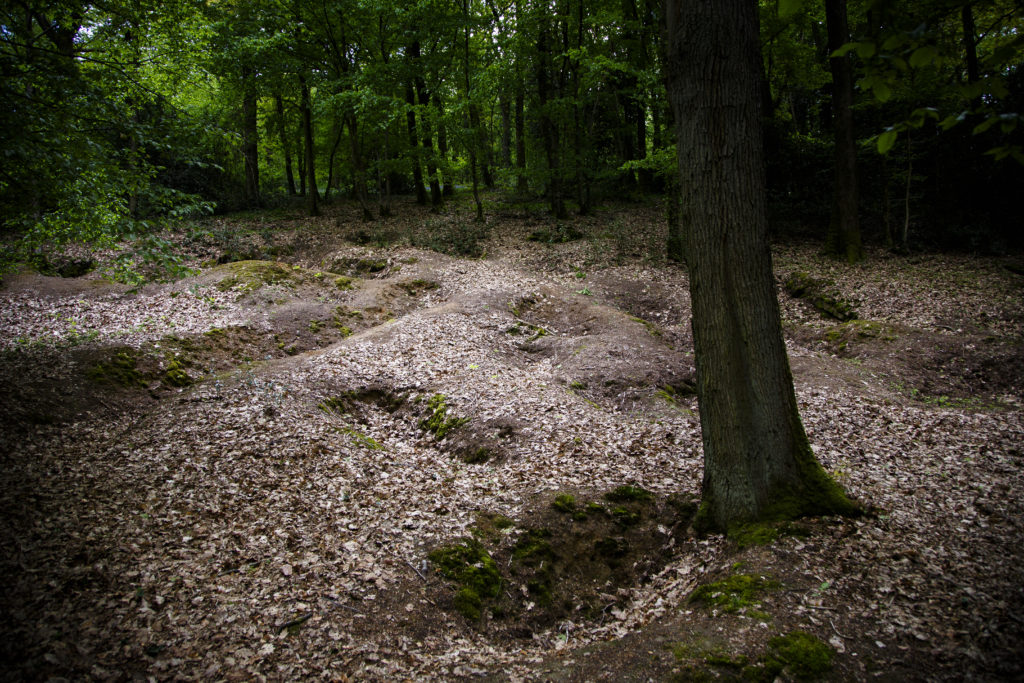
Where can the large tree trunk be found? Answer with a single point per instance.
(844, 228)
(312, 194)
(758, 464)
(250, 139)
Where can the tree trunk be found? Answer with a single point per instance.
(506, 132)
(844, 228)
(282, 131)
(330, 163)
(358, 167)
(474, 119)
(970, 45)
(250, 139)
(417, 168)
(483, 147)
(549, 127)
(312, 194)
(758, 463)
(384, 180)
(448, 189)
(522, 186)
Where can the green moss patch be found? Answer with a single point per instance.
(418, 286)
(628, 494)
(474, 572)
(121, 370)
(820, 294)
(841, 337)
(437, 421)
(735, 593)
(796, 655)
(248, 276)
(569, 555)
(175, 375)
(746, 535)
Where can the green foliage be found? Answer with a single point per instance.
(90, 147)
(457, 236)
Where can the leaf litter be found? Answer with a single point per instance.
(235, 529)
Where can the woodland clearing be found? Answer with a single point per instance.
(243, 474)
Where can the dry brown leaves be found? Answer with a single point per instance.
(236, 530)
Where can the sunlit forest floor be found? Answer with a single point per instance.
(335, 451)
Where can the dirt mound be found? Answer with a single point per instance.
(597, 350)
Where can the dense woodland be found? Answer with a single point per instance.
(646, 339)
(888, 122)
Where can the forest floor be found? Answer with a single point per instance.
(349, 457)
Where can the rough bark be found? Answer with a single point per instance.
(758, 464)
(844, 238)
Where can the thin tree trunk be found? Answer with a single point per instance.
(384, 180)
(844, 238)
(330, 163)
(250, 139)
(522, 186)
(758, 463)
(506, 132)
(282, 131)
(905, 228)
(426, 134)
(474, 118)
(448, 189)
(970, 44)
(417, 168)
(482, 146)
(359, 167)
(549, 127)
(312, 194)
